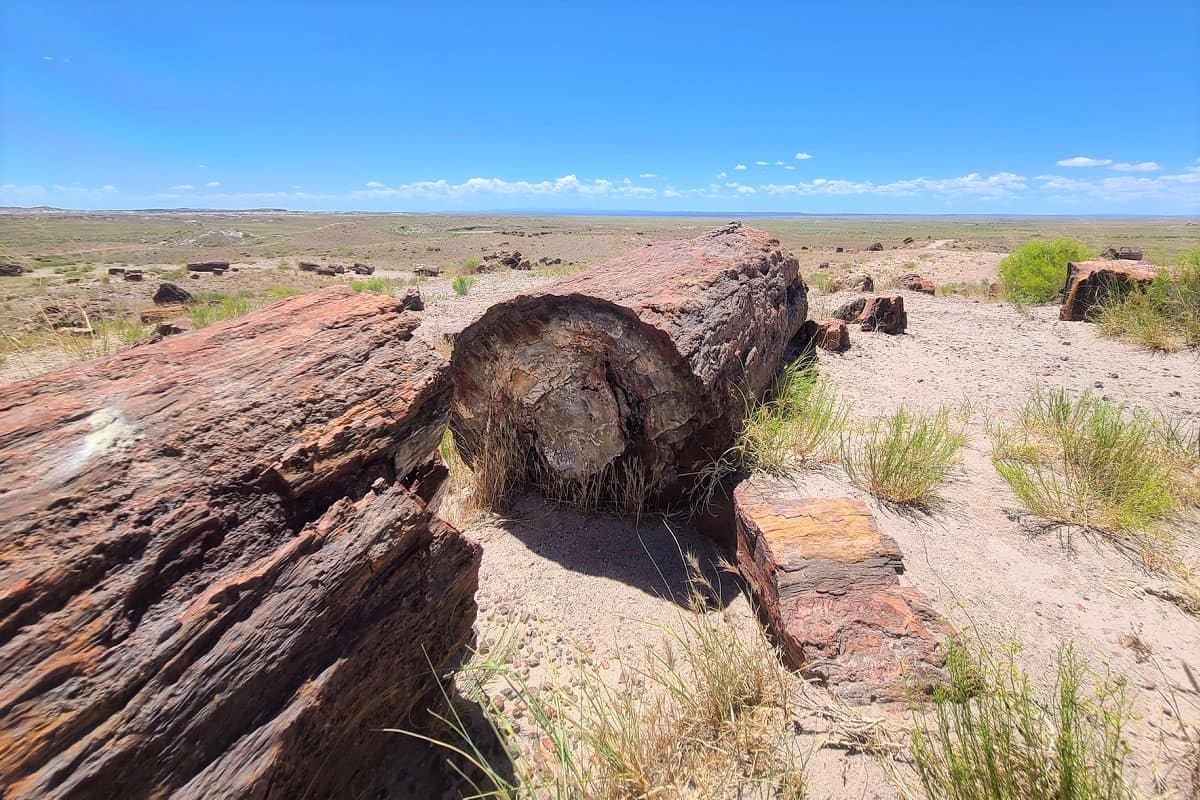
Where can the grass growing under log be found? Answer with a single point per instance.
(1163, 316)
(991, 735)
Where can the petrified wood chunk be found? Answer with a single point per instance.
(637, 366)
(208, 266)
(200, 595)
(827, 334)
(1091, 284)
(825, 580)
(162, 313)
(169, 294)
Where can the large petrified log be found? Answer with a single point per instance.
(1091, 284)
(824, 577)
(214, 580)
(638, 366)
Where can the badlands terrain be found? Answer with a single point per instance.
(557, 585)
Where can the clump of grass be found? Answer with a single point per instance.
(905, 457)
(276, 292)
(470, 264)
(976, 290)
(218, 308)
(798, 421)
(821, 281)
(379, 285)
(1163, 316)
(1095, 465)
(462, 285)
(1035, 272)
(991, 735)
(703, 715)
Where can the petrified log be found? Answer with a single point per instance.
(824, 577)
(199, 594)
(1091, 284)
(10, 269)
(168, 294)
(637, 367)
(208, 266)
(162, 313)
(827, 334)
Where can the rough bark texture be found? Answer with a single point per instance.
(1090, 284)
(637, 363)
(199, 595)
(825, 579)
(827, 334)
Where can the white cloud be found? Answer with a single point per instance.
(779, 163)
(47, 58)
(803, 156)
(566, 185)
(1139, 166)
(213, 184)
(789, 166)
(740, 166)
(761, 164)
(202, 166)
(1002, 184)
(746, 189)
(721, 175)
(108, 187)
(671, 193)
(1084, 161)
(182, 187)
(648, 175)
(376, 185)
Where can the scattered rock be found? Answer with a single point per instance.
(327, 271)
(682, 322)
(171, 328)
(116, 270)
(133, 275)
(208, 266)
(860, 283)
(908, 240)
(427, 271)
(825, 579)
(915, 283)
(1091, 284)
(10, 269)
(545, 261)
(849, 312)
(1122, 253)
(412, 299)
(363, 269)
(511, 259)
(169, 294)
(308, 266)
(875, 248)
(840, 250)
(884, 314)
(827, 334)
(161, 313)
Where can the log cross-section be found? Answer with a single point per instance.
(644, 362)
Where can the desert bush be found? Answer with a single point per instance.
(905, 457)
(1098, 466)
(991, 735)
(798, 420)
(1164, 316)
(379, 285)
(462, 285)
(820, 281)
(469, 265)
(703, 715)
(1036, 272)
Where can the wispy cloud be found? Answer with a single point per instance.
(376, 185)
(566, 185)
(1139, 166)
(648, 175)
(1002, 184)
(779, 163)
(721, 175)
(1084, 161)
(803, 156)
(182, 187)
(740, 166)
(60, 59)
(761, 164)
(213, 184)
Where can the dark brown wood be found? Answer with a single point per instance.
(200, 592)
(641, 364)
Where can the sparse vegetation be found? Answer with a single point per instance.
(462, 285)
(991, 735)
(469, 265)
(1035, 272)
(976, 290)
(820, 281)
(213, 308)
(905, 457)
(276, 292)
(704, 714)
(380, 285)
(1165, 315)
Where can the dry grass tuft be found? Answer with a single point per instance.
(1164, 316)
(904, 458)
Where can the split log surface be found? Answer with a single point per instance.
(639, 364)
(199, 594)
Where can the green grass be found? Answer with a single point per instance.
(214, 308)
(276, 292)
(704, 715)
(1163, 316)
(992, 735)
(1035, 272)
(798, 421)
(469, 265)
(380, 285)
(905, 457)
(820, 281)
(462, 285)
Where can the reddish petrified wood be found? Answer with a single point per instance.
(827, 334)
(637, 365)
(825, 580)
(199, 594)
(1090, 284)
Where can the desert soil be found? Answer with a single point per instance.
(603, 584)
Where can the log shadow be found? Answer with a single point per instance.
(659, 555)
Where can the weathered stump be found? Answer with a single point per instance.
(215, 581)
(638, 367)
(1092, 284)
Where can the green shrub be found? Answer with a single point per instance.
(991, 735)
(821, 281)
(1036, 272)
(218, 309)
(380, 285)
(903, 458)
(469, 265)
(1190, 258)
(1164, 316)
(462, 285)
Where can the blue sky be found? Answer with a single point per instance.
(1005, 107)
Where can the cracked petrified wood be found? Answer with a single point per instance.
(824, 577)
(639, 365)
(1091, 284)
(200, 595)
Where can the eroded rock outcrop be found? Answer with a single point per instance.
(634, 367)
(824, 577)
(1091, 284)
(216, 580)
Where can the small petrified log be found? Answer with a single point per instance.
(363, 269)
(824, 578)
(162, 313)
(1091, 284)
(638, 366)
(208, 266)
(168, 294)
(201, 595)
(884, 314)
(827, 334)
(10, 269)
